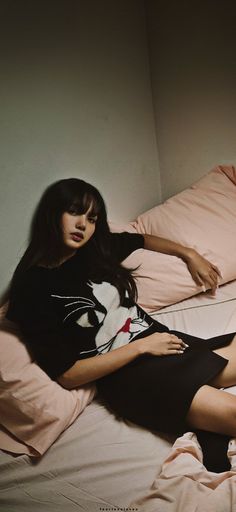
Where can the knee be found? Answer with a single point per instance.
(213, 410)
(232, 411)
(229, 417)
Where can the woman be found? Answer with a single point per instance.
(73, 300)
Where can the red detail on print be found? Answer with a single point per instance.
(126, 326)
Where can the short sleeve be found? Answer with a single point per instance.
(123, 244)
(53, 346)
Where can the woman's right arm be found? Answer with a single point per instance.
(93, 368)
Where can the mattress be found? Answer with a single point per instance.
(101, 463)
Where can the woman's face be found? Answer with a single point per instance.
(77, 229)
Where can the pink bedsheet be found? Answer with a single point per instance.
(184, 484)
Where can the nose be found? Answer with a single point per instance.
(81, 222)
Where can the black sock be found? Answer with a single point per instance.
(214, 448)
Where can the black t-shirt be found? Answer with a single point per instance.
(65, 316)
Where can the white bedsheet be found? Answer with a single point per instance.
(101, 463)
(203, 315)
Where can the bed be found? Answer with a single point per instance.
(62, 450)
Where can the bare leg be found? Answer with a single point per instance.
(213, 409)
(227, 377)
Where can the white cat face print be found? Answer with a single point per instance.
(115, 325)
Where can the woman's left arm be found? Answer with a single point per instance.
(204, 273)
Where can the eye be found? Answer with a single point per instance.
(92, 220)
(72, 211)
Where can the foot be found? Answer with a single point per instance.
(231, 453)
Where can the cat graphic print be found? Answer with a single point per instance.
(116, 325)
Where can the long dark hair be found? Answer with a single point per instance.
(46, 242)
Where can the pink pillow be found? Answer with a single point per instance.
(34, 410)
(203, 217)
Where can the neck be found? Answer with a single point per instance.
(68, 253)
(66, 256)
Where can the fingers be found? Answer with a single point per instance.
(198, 280)
(162, 344)
(176, 345)
(214, 276)
(208, 280)
(204, 273)
(217, 270)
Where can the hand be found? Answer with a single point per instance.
(203, 272)
(161, 344)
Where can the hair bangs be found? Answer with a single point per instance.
(87, 202)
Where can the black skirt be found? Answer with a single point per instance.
(156, 392)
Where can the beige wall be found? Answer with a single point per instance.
(75, 101)
(88, 90)
(193, 50)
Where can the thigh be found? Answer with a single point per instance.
(227, 377)
(213, 410)
(157, 392)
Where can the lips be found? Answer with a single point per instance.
(77, 237)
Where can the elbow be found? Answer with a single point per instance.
(77, 375)
(148, 239)
(64, 381)
(72, 378)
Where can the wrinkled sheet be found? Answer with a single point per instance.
(184, 484)
(101, 463)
